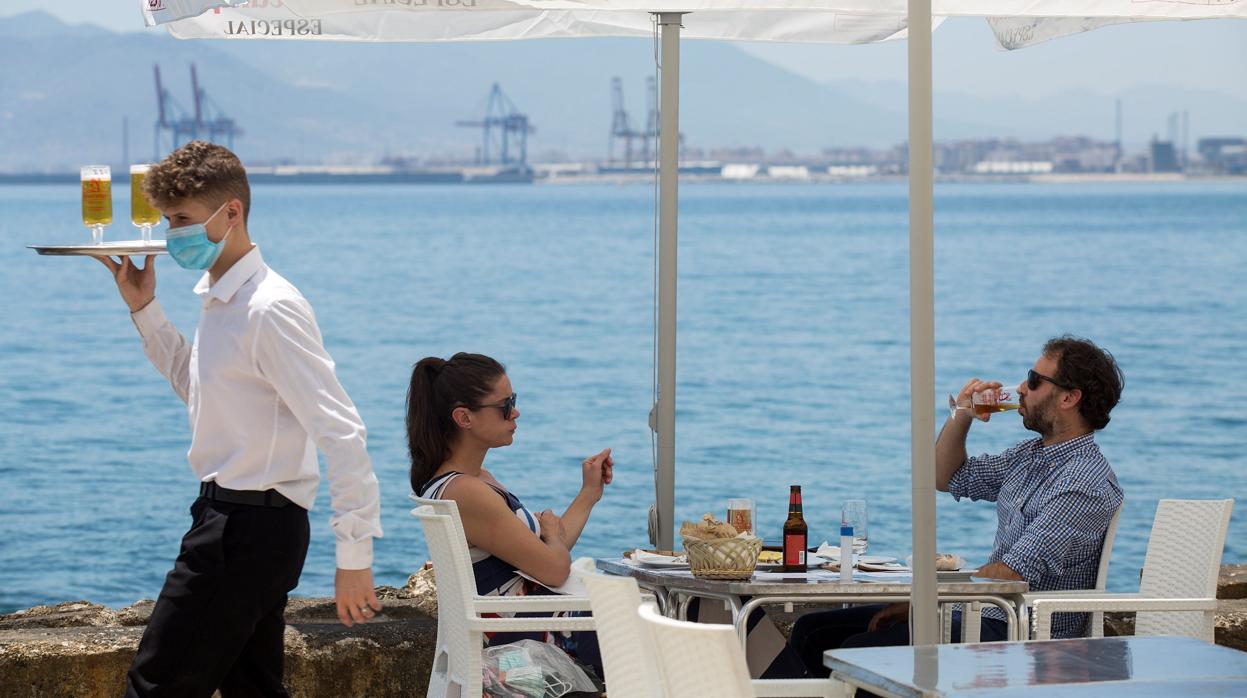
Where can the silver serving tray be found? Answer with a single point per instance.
(120, 248)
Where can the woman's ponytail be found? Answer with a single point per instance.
(437, 387)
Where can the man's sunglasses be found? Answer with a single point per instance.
(1033, 377)
(507, 406)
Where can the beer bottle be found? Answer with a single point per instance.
(795, 533)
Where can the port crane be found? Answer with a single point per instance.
(503, 126)
(621, 129)
(207, 120)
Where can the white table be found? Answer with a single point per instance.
(1116, 666)
(677, 587)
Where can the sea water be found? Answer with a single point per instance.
(793, 355)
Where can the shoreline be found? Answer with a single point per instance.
(558, 177)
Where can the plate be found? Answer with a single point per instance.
(868, 559)
(664, 564)
(108, 249)
(660, 561)
(875, 559)
(881, 567)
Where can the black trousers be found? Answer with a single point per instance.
(815, 633)
(218, 622)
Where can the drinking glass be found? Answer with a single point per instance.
(740, 513)
(142, 213)
(987, 402)
(97, 200)
(854, 514)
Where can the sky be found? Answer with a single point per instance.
(1210, 54)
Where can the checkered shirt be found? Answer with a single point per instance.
(1054, 504)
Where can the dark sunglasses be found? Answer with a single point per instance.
(1033, 377)
(507, 406)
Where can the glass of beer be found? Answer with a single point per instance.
(142, 213)
(984, 403)
(740, 513)
(97, 200)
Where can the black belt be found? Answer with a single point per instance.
(255, 498)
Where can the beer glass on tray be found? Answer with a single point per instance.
(142, 214)
(97, 200)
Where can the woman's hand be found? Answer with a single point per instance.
(552, 530)
(596, 472)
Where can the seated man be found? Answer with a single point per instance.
(1055, 496)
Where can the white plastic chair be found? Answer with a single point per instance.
(1178, 589)
(632, 666)
(697, 659)
(1095, 622)
(632, 669)
(456, 671)
(972, 613)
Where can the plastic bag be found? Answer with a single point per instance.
(531, 669)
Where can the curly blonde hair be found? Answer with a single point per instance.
(198, 170)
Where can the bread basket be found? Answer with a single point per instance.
(723, 558)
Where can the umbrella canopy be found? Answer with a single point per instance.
(1015, 23)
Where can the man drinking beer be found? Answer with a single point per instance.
(1055, 496)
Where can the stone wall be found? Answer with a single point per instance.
(81, 650)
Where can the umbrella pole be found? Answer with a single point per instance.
(924, 624)
(668, 174)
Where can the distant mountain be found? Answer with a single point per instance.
(33, 25)
(65, 90)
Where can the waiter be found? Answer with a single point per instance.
(262, 397)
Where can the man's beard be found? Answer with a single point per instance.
(1038, 417)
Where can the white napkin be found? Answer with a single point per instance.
(574, 586)
(830, 552)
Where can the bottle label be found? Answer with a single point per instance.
(794, 549)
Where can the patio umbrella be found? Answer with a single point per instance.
(1015, 23)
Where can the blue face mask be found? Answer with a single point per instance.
(190, 247)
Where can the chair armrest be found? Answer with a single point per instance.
(530, 604)
(801, 688)
(1044, 608)
(1032, 596)
(525, 625)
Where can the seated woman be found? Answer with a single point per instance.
(457, 410)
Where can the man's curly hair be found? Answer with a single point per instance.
(202, 171)
(1083, 365)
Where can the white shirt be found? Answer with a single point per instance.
(262, 396)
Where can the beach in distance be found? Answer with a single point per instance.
(793, 354)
